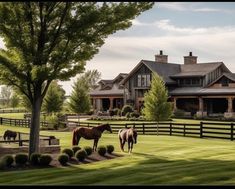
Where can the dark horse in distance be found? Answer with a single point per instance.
(129, 136)
(90, 133)
(9, 134)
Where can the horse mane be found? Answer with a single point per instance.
(74, 140)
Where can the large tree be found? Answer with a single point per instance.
(156, 106)
(46, 41)
(6, 94)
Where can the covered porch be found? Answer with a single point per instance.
(212, 106)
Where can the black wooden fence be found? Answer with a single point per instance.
(200, 130)
(2, 111)
(21, 122)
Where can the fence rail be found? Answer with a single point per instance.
(200, 130)
(2, 111)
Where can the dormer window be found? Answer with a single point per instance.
(225, 82)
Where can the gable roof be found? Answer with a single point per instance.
(199, 69)
(230, 76)
(162, 69)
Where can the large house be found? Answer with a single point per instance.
(204, 89)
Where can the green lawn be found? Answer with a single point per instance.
(155, 160)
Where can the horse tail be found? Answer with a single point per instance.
(74, 137)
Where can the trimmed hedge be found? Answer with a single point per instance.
(34, 158)
(8, 159)
(21, 159)
(75, 149)
(110, 148)
(81, 155)
(102, 150)
(88, 150)
(63, 159)
(45, 160)
(69, 152)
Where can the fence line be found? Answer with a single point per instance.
(2, 111)
(200, 130)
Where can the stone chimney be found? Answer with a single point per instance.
(190, 59)
(161, 58)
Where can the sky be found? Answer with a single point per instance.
(207, 29)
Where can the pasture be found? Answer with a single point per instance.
(164, 160)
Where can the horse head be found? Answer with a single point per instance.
(108, 128)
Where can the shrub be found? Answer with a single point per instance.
(111, 113)
(126, 109)
(63, 159)
(128, 115)
(110, 148)
(116, 111)
(34, 158)
(102, 150)
(68, 151)
(75, 149)
(88, 150)
(179, 113)
(2, 164)
(134, 114)
(45, 160)
(21, 159)
(8, 159)
(81, 155)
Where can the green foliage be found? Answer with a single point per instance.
(117, 111)
(156, 106)
(79, 101)
(34, 158)
(15, 100)
(69, 152)
(75, 149)
(8, 159)
(110, 148)
(48, 41)
(6, 95)
(21, 159)
(63, 159)
(45, 160)
(53, 120)
(81, 155)
(53, 101)
(134, 114)
(91, 77)
(179, 113)
(88, 150)
(126, 109)
(3, 164)
(102, 150)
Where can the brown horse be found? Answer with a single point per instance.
(9, 134)
(90, 133)
(129, 136)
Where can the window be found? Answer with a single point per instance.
(224, 82)
(143, 80)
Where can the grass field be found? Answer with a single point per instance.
(167, 160)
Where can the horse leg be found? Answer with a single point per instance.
(131, 146)
(121, 146)
(95, 144)
(78, 139)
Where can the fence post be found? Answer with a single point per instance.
(231, 131)
(143, 129)
(201, 129)
(20, 142)
(126, 125)
(133, 125)
(170, 128)
(88, 125)
(1, 120)
(184, 129)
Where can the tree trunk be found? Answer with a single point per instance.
(35, 126)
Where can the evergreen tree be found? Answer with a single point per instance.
(156, 106)
(15, 100)
(79, 101)
(53, 101)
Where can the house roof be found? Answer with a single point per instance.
(199, 69)
(201, 91)
(97, 92)
(162, 69)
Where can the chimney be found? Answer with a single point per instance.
(190, 59)
(160, 58)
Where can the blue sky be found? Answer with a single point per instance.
(205, 28)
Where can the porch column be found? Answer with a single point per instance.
(111, 103)
(230, 104)
(229, 113)
(94, 103)
(98, 100)
(201, 112)
(175, 105)
(200, 104)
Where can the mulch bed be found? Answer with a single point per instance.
(94, 157)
